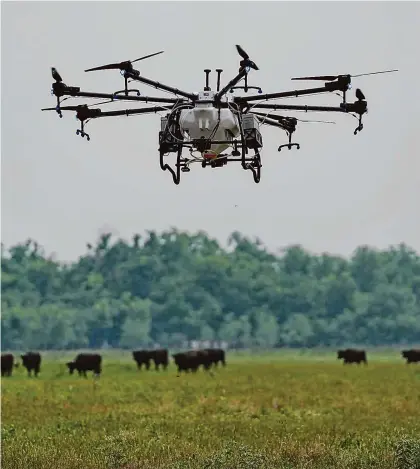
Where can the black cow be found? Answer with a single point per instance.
(192, 360)
(142, 357)
(216, 355)
(32, 362)
(160, 357)
(86, 362)
(351, 355)
(7, 360)
(412, 355)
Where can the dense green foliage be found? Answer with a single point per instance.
(172, 287)
(284, 410)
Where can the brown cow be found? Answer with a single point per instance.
(216, 355)
(32, 361)
(352, 355)
(412, 355)
(7, 360)
(86, 362)
(192, 360)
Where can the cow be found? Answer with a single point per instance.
(160, 357)
(216, 355)
(7, 360)
(351, 355)
(32, 362)
(142, 357)
(192, 360)
(86, 362)
(412, 355)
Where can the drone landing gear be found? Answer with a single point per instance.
(82, 132)
(253, 164)
(180, 166)
(126, 91)
(290, 144)
(246, 87)
(58, 109)
(359, 128)
(255, 167)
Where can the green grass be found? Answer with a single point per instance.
(284, 410)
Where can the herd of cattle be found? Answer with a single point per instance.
(185, 361)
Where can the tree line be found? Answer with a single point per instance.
(170, 287)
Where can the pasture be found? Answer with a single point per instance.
(268, 410)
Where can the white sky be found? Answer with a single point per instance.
(337, 192)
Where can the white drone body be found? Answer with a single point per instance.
(205, 120)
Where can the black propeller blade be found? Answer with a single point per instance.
(125, 65)
(56, 75)
(79, 107)
(334, 77)
(246, 62)
(241, 52)
(359, 94)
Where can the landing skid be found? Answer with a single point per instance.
(183, 164)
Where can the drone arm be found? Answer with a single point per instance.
(285, 94)
(64, 90)
(128, 112)
(358, 107)
(146, 99)
(294, 107)
(273, 123)
(342, 84)
(134, 75)
(231, 84)
(289, 127)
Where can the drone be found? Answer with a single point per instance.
(215, 128)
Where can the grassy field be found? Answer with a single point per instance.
(283, 410)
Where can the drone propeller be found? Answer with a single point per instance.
(246, 62)
(56, 75)
(63, 108)
(335, 77)
(125, 65)
(359, 94)
(77, 107)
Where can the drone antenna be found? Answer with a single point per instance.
(207, 72)
(219, 71)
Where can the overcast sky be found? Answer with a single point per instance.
(335, 193)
